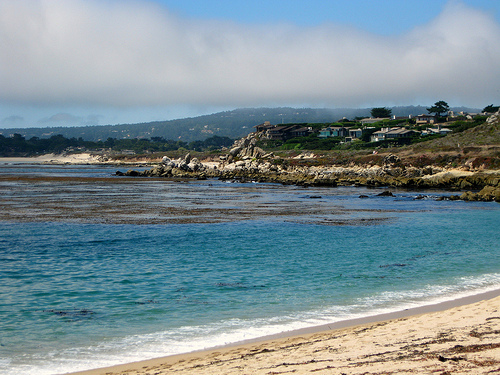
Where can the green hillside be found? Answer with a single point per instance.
(233, 124)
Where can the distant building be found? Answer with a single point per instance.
(355, 133)
(437, 130)
(263, 127)
(285, 132)
(301, 132)
(371, 120)
(333, 131)
(409, 117)
(392, 133)
(425, 119)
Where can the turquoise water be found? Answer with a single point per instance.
(85, 293)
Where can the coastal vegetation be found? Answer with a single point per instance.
(234, 124)
(17, 145)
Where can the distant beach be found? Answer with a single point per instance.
(77, 158)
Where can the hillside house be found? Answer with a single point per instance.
(372, 120)
(301, 132)
(425, 119)
(355, 133)
(285, 132)
(333, 131)
(392, 133)
(409, 117)
(263, 127)
(437, 130)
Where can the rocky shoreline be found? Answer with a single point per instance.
(246, 162)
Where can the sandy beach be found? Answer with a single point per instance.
(82, 158)
(456, 337)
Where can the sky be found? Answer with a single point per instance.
(98, 62)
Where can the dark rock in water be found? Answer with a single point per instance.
(147, 302)
(385, 194)
(132, 173)
(393, 265)
(363, 196)
(73, 314)
(238, 285)
(315, 197)
(231, 285)
(118, 173)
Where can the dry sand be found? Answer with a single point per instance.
(82, 158)
(464, 339)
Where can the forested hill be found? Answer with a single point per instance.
(233, 124)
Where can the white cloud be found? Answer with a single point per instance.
(135, 53)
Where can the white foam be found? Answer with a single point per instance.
(194, 338)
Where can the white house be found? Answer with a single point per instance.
(425, 119)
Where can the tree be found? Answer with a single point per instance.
(491, 109)
(438, 108)
(381, 112)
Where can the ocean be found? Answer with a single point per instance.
(97, 270)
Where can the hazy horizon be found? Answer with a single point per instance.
(100, 62)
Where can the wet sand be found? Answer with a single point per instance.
(456, 337)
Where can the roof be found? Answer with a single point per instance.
(399, 131)
(373, 119)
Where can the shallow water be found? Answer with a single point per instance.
(97, 270)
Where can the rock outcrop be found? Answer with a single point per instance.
(186, 166)
(245, 161)
(480, 185)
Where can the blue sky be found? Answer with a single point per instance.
(96, 62)
(388, 17)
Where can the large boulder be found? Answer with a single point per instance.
(195, 165)
(235, 151)
(493, 118)
(391, 159)
(490, 193)
(258, 152)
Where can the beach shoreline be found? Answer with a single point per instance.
(473, 321)
(84, 158)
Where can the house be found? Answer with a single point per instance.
(379, 135)
(409, 117)
(400, 133)
(333, 131)
(371, 120)
(425, 119)
(263, 127)
(355, 133)
(301, 132)
(392, 133)
(437, 130)
(285, 132)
